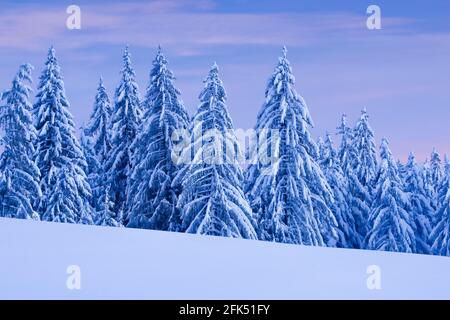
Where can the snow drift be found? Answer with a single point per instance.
(141, 264)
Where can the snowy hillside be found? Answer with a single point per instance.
(36, 257)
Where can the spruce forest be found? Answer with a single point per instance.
(146, 163)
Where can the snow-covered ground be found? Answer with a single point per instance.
(135, 264)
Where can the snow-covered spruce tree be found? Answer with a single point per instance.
(98, 126)
(289, 194)
(432, 172)
(212, 199)
(93, 165)
(96, 144)
(151, 197)
(357, 193)
(429, 186)
(365, 162)
(419, 204)
(346, 151)
(348, 236)
(364, 167)
(104, 214)
(64, 185)
(320, 149)
(63, 203)
(440, 236)
(20, 189)
(391, 225)
(124, 125)
(435, 169)
(401, 170)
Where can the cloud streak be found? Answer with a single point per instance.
(169, 23)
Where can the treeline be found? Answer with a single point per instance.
(145, 163)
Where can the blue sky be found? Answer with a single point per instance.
(400, 73)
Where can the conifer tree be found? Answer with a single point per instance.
(64, 185)
(151, 196)
(19, 180)
(212, 199)
(440, 236)
(402, 170)
(357, 193)
(435, 169)
(391, 225)
(365, 162)
(320, 148)
(104, 214)
(348, 236)
(289, 194)
(92, 167)
(98, 126)
(364, 168)
(125, 121)
(346, 150)
(96, 145)
(419, 204)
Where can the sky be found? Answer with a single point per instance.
(400, 73)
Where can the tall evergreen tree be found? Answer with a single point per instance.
(320, 149)
(99, 123)
(346, 150)
(96, 144)
(125, 123)
(348, 236)
(289, 194)
(440, 236)
(212, 199)
(151, 196)
(19, 181)
(65, 190)
(104, 214)
(358, 194)
(419, 203)
(429, 185)
(93, 166)
(435, 169)
(364, 167)
(432, 170)
(402, 170)
(391, 226)
(365, 162)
